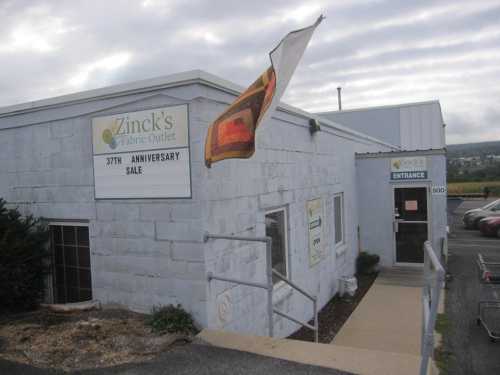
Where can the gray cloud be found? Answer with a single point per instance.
(381, 52)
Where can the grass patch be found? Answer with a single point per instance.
(443, 358)
(474, 187)
(443, 324)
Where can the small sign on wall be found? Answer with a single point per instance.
(411, 205)
(439, 190)
(315, 227)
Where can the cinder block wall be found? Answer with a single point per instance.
(289, 168)
(146, 252)
(143, 252)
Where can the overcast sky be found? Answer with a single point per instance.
(380, 52)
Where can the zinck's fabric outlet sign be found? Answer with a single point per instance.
(142, 154)
(409, 168)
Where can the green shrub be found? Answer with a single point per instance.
(23, 260)
(171, 319)
(366, 262)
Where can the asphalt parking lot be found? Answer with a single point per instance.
(473, 353)
(193, 359)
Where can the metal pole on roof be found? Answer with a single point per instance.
(340, 97)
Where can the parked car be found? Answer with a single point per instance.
(472, 217)
(490, 226)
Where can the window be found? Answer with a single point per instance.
(276, 228)
(71, 261)
(338, 207)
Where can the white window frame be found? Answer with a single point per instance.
(285, 215)
(342, 220)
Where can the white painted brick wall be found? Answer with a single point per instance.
(289, 168)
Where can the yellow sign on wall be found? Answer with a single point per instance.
(315, 227)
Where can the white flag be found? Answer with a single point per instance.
(285, 58)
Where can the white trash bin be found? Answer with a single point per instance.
(348, 285)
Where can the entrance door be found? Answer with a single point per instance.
(411, 223)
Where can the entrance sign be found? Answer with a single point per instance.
(315, 225)
(409, 168)
(143, 154)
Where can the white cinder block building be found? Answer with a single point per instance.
(118, 173)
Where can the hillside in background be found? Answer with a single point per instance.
(473, 149)
(473, 162)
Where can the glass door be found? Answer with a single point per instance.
(410, 223)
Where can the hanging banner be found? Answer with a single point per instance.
(315, 227)
(143, 154)
(232, 134)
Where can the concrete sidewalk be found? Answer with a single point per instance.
(381, 337)
(341, 358)
(389, 317)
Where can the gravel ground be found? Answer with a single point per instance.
(472, 351)
(80, 340)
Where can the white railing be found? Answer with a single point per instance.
(434, 276)
(268, 285)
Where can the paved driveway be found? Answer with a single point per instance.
(474, 353)
(192, 359)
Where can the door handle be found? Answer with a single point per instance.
(395, 223)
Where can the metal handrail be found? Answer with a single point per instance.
(293, 285)
(434, 276)
(314, 300)
(278, 312)
(269, 286)
(483, 263)
(436, 264)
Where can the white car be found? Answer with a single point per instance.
(472, 217)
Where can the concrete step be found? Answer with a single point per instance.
(344, 358)
(401, 276)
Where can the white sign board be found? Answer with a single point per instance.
(142, 154)
(439, 190)
(315, 223)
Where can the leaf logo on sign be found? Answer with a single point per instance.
(107, 137)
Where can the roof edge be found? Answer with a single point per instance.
(375, 155)
(173, 80)
(389, 106)
(177, 79)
